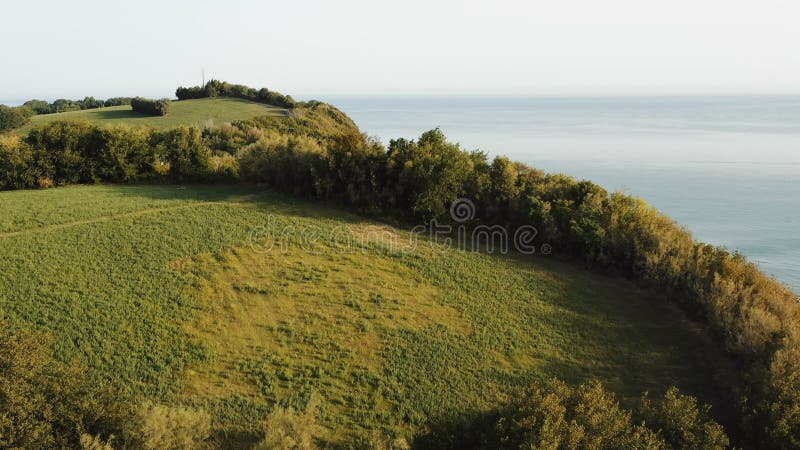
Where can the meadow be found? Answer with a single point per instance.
(167, 292)
(199, 112)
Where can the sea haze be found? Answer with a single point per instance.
(727, 168)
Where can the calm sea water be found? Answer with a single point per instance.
(727, 168)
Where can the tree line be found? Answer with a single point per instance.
(64, 105)
(216, 88)
(14, 117)
(318, 152)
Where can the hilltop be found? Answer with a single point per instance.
(199, 112)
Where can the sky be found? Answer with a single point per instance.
(405, 48)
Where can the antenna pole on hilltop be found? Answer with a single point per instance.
(203, 72)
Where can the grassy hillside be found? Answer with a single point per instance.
(173, 293)
(200, 112)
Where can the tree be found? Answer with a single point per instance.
(11, 118)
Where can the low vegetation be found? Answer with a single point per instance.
(11, 118)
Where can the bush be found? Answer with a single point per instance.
(47, 405)
(17, 168)
(150, 107)
(287, 429)
(225, 167)
(60, 150)
(79, 152)
(683, 423)
(39, 106)
(160, 427)
(426, 175)
(11, 118)
(185, 151)
(89, 442)
(125, 156)
(556, 415)
(283, 162)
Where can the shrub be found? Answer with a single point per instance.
(117, 101)
(558, 416)
(160, 427)
(287, 429)
(185, 151)
(11, 118)
(46, 404)
(39, 106)
(89, 442)
(426, 175)
(350, 171)
(683, 423)
(283, 162)
(60, 149)
(126, 155)
(225, 167)
(150, 107)
(555, 415)
(17, 170)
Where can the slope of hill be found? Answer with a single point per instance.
(194, 295)
(200, 112)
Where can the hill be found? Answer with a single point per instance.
(199, 112)
(175, 294)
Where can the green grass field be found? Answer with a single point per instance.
(201, 112)
(161, 290)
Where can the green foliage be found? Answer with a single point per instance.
(62, 105)
(39, 106)
(117, 101)
(216, 88)
(11, 117)
(557, 416)
(287, 429)
(17, 169)
(683, 423)
(150, 107)
(45, 404)
(285, 162)
(160, 427)
(61, 150)
(78, 152)
(426, 175)
(186, 152)
(89, 442)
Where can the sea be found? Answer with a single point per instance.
(726, 168)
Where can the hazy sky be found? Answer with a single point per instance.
(343, 47)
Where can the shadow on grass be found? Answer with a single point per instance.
(117, 114)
